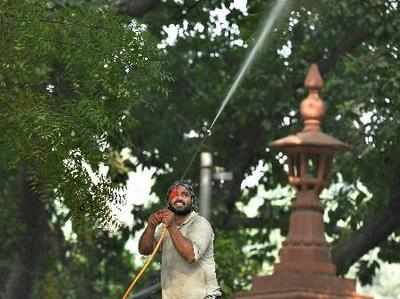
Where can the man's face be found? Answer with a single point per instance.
(180, 201)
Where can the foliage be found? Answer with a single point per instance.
(357, 48)
(60, 102)
(68, 79)
(233, 277)
(95, 265)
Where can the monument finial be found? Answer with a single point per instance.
(312, 108)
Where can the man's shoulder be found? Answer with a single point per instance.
(200, 220)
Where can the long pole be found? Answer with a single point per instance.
(205, 183)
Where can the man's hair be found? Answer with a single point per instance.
(189, 187)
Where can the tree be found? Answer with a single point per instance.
(68, 79)
(356, 47)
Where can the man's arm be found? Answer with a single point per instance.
(147, 240)
(195, 244)
(182, 245)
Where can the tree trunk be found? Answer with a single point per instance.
(28, 259)
(377, 229)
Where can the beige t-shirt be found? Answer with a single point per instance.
(180, 279)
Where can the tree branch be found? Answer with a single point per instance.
(136, 8)
(373, 233)
(344, 47)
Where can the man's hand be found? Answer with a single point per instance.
(168, 217)
(147, 241)
(155, 219)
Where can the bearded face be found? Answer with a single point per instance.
(180, 200)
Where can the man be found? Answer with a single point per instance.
(187, 260)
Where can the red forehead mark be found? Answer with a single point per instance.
(174, 193)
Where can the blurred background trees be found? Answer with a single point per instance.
(69, 77)
(81, 80)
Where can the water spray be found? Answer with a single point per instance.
(267, 26)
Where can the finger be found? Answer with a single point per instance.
(166, 218)
(164, 214)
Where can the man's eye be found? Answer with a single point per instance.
(186, 194)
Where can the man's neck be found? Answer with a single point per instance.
(179, 219)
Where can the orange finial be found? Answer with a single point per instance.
(312, 108)
(313, 79)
